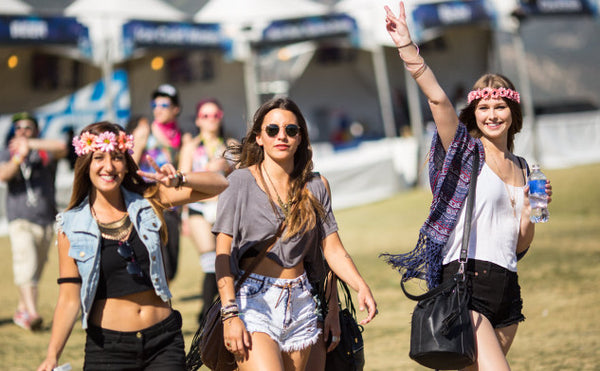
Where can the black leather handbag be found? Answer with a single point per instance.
(349, 355)
(442, 336)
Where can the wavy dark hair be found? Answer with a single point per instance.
(494, 81)
(306, 208)
(132, 181)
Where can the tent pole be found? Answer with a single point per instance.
(252, 100)
(526, 94)
(107, 72)
(383, 90)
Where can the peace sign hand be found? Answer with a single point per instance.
(397, 27)
(165, 175)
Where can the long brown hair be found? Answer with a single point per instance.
(306, 209)
(494, 81)
(132, 181)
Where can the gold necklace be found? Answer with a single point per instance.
(284, 206)
(118, 230)
(511, 195)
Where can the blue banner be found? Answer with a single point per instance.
(310, 28)
(44, 30)
(557, 7)
(450, 13)
(173, 35)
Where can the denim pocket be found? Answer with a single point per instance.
(251, 288)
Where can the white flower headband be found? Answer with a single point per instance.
(489, 93)
(106, 142)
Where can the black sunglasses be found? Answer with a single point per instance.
(127, 253)
(291, 130)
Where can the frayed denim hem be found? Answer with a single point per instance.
(293, 347)
(301, 345)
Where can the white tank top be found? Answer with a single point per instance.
(495, 225)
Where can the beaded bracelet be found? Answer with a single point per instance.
(230, 316)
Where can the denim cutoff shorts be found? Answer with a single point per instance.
(494, 290)
(284, 309)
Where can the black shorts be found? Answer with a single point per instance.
(158, 347)
(494, 290)
(194, 212)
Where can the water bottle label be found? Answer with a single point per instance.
(537, 186)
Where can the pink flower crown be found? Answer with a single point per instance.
(489, 93)
(105, 142)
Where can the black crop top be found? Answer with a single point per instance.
(115, 281)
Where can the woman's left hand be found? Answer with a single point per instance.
(166, 174)
(365, 299)
(331, 327)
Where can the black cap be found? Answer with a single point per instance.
(24, 116)
(167, 90)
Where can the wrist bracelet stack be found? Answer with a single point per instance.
(416, 66)
(181, 179)
(229, 311)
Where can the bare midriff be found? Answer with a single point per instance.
(132, 312)
(270, 268)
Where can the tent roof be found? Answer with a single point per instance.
(155, 10)
(14, 7)
(247, 12)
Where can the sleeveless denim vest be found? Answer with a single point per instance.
(84, 237)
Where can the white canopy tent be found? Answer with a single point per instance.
(243, 21)
(14, 7)
(105, 20)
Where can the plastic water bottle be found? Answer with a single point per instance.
(537, 196)
(63, 367)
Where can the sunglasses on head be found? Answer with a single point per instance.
(216, 115)
(161, 105)
(127, 253)
(24, 127)
(291, 130)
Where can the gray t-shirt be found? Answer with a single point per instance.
(244, 212)
(30, 193)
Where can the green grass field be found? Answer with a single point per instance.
(560, 281)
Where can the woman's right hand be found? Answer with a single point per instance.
(237, 338)
(48, 365)
(397, 27)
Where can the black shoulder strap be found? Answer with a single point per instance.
(469, 212)
(263, 247)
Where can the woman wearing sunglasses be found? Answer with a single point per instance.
(110, 262)
(205, 153)
(271, 323)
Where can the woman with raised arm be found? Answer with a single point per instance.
(271, 323)
(110, 261)
(205, 153)
(501, 230)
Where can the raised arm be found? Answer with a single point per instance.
(67, 306)
(442, 109)
(181, 188)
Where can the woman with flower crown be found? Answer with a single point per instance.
(110, 262)
(501, 231)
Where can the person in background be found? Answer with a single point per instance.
(501, 231)
(271, 322)
(28, 166)
(205, 153)
(161, 140)
(110, 260)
